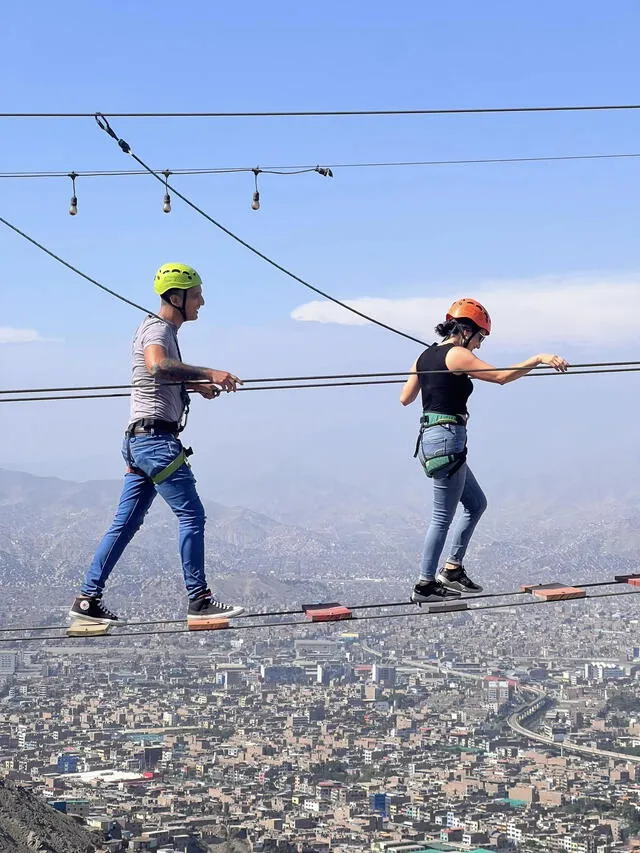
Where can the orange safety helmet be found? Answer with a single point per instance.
(469, 309)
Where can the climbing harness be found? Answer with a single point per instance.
(433, 465)
(152, 426)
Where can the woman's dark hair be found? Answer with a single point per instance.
(462, 326)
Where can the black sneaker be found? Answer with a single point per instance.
(432, 591)
(208, 607)
(91, 609)
(457, 579)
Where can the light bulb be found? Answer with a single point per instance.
(166, 204)
(255, 203)
(73, 206)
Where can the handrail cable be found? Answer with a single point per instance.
(328, 376)
(298, 387)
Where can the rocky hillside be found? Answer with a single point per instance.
(29, 825)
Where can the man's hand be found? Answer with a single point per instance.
(226, 380)
(209, 392)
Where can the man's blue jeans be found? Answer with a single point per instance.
(152, 453)
(461, 487)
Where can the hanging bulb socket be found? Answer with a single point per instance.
(73, 203)
(255, 201)
(166, 201)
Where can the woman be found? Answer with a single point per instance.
(441, 374)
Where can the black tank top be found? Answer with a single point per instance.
(442, 392)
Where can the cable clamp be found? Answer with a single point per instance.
(103, 124)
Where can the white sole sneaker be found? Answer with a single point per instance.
(93, 620)
(227, 614)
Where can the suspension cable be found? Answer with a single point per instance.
(299, 610)
(329, 113)
(298, 622)
(79, 272)
(103, 124)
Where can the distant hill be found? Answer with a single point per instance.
(316, 543)
(49, 529)
(29, 825)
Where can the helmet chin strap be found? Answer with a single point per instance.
(181, 308)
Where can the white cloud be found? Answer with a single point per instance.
(542, 311)
(19, 336)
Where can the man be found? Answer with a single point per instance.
(154, 454)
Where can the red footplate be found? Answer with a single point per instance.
(554, 591)
(207, 624)
(327, 612)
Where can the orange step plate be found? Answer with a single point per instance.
(529, 587)
(207, 624)
(634, 581)
(627, 579)
(556, 591)
(331, 611)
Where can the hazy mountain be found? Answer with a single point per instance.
(49, 529)
(318, 540)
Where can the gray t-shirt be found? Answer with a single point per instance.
(151, 397)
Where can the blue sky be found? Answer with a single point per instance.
(510, 232)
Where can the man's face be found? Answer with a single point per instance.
(193, 303)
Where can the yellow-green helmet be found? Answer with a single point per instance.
(175, 275)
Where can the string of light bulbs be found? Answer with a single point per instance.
(166, 200)
(286, 170)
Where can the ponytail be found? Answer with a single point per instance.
(463, 326)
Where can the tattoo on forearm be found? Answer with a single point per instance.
(173, 370)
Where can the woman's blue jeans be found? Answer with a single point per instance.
(448, 491)
(151, 454)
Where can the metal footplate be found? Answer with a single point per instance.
(448, 608)
(632, 580)
(88, 629)
(553, 591)
(331, 611)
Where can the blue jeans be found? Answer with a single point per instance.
(152, 453)
(461, 487)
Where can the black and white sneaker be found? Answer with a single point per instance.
(208, 607)
(432, 591)
(457, 579)
(87, 608)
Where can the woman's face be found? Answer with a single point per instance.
(476, 340)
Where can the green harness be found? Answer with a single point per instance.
(433, 464)
(173, 466)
